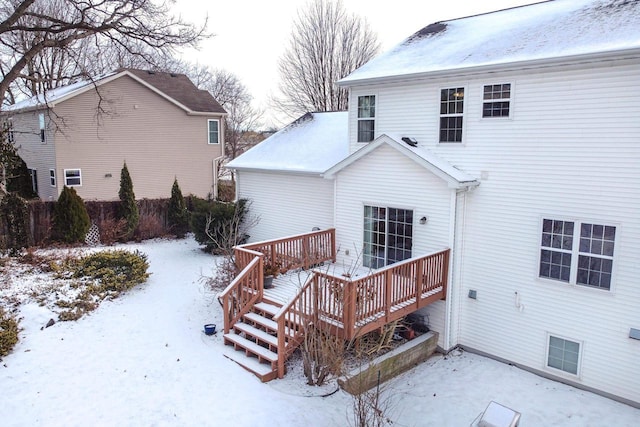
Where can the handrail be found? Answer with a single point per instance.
(383, 295)
(242, 293)
(292, 320)
(299, 251)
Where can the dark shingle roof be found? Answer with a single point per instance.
(181, 89)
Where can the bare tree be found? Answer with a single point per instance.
(46, 43)
(326, 44)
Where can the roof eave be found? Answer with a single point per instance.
(622, 54)
(274, 171)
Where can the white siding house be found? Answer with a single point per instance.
(514, 139)
(281, 176)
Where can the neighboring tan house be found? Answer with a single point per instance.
(511, 139)
(81, 135)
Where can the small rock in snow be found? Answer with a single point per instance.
(51, 322)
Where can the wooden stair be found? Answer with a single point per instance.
(255, 339)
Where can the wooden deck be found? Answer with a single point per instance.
(313, 290)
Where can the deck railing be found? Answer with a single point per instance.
(243, 292)
(288, 253)
(351, 307)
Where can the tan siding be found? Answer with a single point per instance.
(570, 150)
(158, 140)
(37, 155)
(288, 204)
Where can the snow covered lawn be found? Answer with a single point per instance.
(143, 360)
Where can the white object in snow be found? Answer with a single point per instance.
(497, 415)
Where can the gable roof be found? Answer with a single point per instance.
(180, 88)
(176, 88)
(547, 31)
(311, 144)
(454, 177)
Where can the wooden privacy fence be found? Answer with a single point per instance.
(41, 216)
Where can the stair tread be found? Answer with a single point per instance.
(255, 317)
(258, 333)
(252, 347)
(249, 363)
(267, 308)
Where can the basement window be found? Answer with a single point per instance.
(563, 354)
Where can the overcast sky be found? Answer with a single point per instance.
(250, 35)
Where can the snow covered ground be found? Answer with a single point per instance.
(142, 360)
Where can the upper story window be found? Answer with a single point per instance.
(577, 252)
(366, 117)
(42, 127)
(496, 100)
(73, 177)
(451, 112)
(8, 129)
(33, 175)
(214, 131)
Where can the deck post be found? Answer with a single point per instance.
(333, 245)
(349, 309)
(419, 282)
(388, 285)
(445, 272)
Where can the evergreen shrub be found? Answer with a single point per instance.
(70, 218)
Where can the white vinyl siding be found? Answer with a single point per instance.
(385, 177)
(287, 204)
(575, 159)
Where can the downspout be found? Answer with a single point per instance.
(455, 264)
(215, 176)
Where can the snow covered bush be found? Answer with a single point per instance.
(99, 276)
(8, 332)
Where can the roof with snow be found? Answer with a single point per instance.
(542, 31)
(176, 88)
(312, 144)
(454, 177)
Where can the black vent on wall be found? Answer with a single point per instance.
(410, 141)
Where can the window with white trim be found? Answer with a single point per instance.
(52, 177)
(8, 129)
(563, 354)
(213, 126)
(33, 175)
(42, 127)
(496, 100)
(366, 118)
(73, 177)
(451, 114)
(577, 252)
(388, 235)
